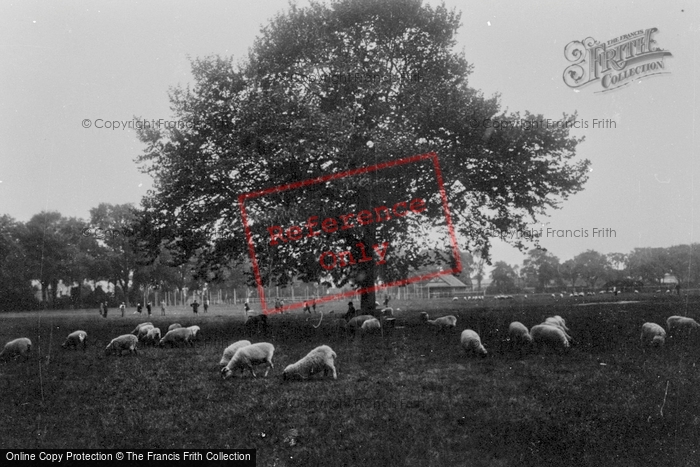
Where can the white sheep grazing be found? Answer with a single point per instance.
(559, 322)
(471, 342)
(195, 332)
(152, 337)
(75, 339)
(246, 357)
(143, 331)
(681, 324)
(549, 335)
(356, 323)
(653, 334)
(370, 325)
(17, 347)
(443, 322)
(518, 333)
(136, 329)
(388, 312)
(176, 336)
(121, 343)
(320, 359)
(230, 351)
(174, 326)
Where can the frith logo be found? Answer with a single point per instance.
(614, 63)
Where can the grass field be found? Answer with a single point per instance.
(409, 398)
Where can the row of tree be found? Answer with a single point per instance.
(591, 269)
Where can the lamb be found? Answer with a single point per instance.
(518, 333)
(136, 329)
(370, 325)
(250, 355)
(17, 347)
(121, 343)
(152, 337)
(230, 351)
(681, 324)
(471, 342)
(444, 322)
(176, 336)
(143, 331)
(174, 326)
(549, 335)
(75, 339)
(653, 335)
(320, 359)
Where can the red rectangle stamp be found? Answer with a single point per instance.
(360, 227)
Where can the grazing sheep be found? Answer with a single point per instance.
(320, 359)
(174, 326)
(471, 342)
(443, 322)
(136, 329)
(549, 335)
(152, 337)
(178, 335)
(519, 334)
(246, 357)
(653, 334)
(356, 323)
(230, 351)
(257, 323)
(681, 324)
(388, 312)
(121, 343)
(143, 331)
(195, 332)
(370, 325)
(559, 322)
(75, 339)
(17, 347)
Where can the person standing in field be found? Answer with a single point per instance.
(139, 308)
(195, 306)
(102, 310)
(148, 309)
(122, 307)
(206, 304)
(307, 308)
(105, 309)
(678, 288)
(162, 307)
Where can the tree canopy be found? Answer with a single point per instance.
(335, 87)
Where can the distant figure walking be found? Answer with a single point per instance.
(102, 310)
(122, 307)
(307, 308)
(313, 305)
(105, 310)
(247, 308)
(139, 308)
(206, 305)
(148, 308)
(386, 301)
(678, 288)
(162, 307)
(195, 306)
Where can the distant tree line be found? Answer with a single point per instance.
(592, 270)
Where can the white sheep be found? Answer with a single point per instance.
(17, 347)
(559, 322)
(152, 336)
(174, 326)
(75, 339)
(388, 312)
(681, 324)
(370, 325)
(195, 332)
(518, 333)
(443, 322)
(653, 334)
(136, 329)
(176, 336)
(549, 335)
(246, 357)
(356, 323)
(320, 359)
(143, 332)
(121, 343)
(471, 342)
(230, 351)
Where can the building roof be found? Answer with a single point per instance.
(448, 280)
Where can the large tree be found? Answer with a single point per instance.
(335, 87)
(540, 268)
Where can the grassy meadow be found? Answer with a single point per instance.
(410, 397)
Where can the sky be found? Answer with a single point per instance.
(68, 67)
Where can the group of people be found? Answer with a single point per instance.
(195, 306)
